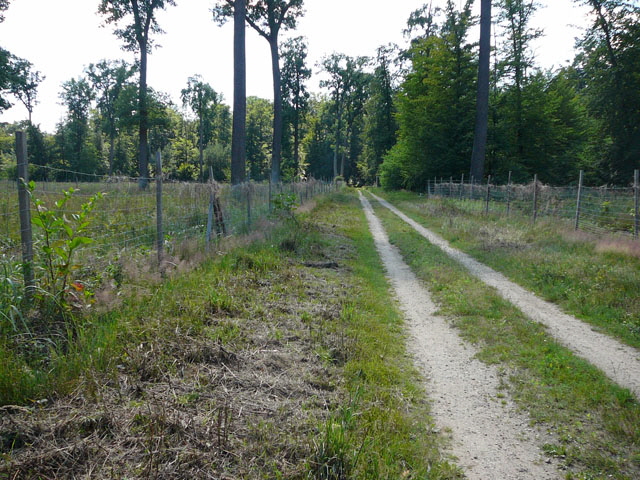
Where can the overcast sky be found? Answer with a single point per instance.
(62, 37)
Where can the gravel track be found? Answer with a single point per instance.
(620, 362)
(491, 440)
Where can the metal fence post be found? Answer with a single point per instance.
(535, 198)
(159, 229)
(486, 210)
(211, 202)
(636, 194)
(26, 233)
(579, 201)
(509, 194)
(249, 203)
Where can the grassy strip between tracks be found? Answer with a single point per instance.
(596, 425)
(593, 277)
(281, 357)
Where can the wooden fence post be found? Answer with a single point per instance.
(636, 194)
(461, 186)
(159, 229)
(535, 198)
(486, 210)
(509, 194)
(26, 233)
(579, 200)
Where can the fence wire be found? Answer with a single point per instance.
(600, 210)
(124, 218)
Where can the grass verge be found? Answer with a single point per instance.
(595, 423)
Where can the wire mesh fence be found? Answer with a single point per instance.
(125, 218)
(594, 209)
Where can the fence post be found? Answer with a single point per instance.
(486, 210)
(509, 194)
(249, 203)
(211, 202)
(461, 186)
(579, 200)
(450, 187)
(472, 181)
(535, 198)
(636, 194)
(26, 233)
(160, 233)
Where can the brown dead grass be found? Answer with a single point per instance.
(186, 406)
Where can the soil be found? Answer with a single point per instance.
(620, 362)
(488, 436)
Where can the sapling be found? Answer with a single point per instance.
(62, 235)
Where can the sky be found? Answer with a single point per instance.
(62, 37)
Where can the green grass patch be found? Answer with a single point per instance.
(596, 423)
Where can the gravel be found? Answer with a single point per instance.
(489, 438)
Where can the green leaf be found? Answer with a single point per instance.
(76, 242)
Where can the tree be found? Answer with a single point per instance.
(380, 126)
(259, 135)
(77, 153)
(435, 106)
(515, 16)
(296, 97)
(239, 132)
(26, 83)
(268, 18)
(108, 79)
(4, 4)
(140, 15)
(608, 65)
(482, 98)
(201, 98)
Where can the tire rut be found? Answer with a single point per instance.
(490, 439)
(620, 362)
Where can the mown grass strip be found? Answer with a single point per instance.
(595, 279)
(596, 424)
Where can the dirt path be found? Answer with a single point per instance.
(490, 439)
(621, 363)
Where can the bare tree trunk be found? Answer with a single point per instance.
(276, 153)
(238, 140)
(482, 102)
(143, 165)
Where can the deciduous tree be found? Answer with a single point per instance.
(139, 19)
(269, 18)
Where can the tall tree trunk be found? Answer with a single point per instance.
(239, 135)
(276, 152)
(143, 162)
(482, 101)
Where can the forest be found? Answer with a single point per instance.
(400, 118)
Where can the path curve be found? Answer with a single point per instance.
(491, 440)
(620, 362)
